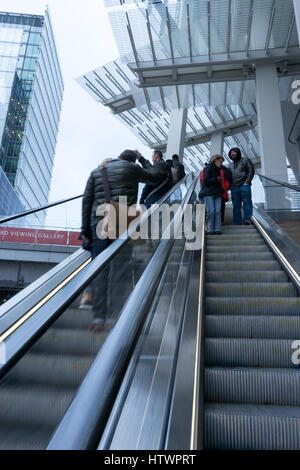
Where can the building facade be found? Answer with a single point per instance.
(31, 93)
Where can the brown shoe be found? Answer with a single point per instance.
(248, 222)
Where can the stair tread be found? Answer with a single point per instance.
(260, 370)
(271, 411)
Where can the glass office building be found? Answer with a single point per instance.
(9, 201)
(31, 93)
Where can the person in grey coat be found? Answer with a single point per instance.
(242, 171)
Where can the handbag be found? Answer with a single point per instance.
(117, 217)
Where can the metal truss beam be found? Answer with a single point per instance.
(240, 66)
(229, 128)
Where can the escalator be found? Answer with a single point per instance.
(252, 318)
(200, 357)
(228, 379)
(49, 348)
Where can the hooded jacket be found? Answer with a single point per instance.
(242, 169)
(124, 178)
(179, 167)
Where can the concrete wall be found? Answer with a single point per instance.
(21, 264)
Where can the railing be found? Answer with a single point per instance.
(281, 183)
(85, 419)
(28, 314)
(38, 209)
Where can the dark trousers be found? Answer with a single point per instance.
(113, 284)
(241, 195)
(223, 207)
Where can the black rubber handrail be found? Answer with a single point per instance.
(86, 417)
(281, 183)
(38, 209)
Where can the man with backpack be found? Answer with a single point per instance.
(178, 166)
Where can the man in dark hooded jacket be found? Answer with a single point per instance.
(242, 171)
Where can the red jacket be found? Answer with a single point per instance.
(225, 184)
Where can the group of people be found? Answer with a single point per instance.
(217, 180)
(123, 176)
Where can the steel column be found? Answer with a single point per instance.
(176, 138)
(217, 144)
(271, 135)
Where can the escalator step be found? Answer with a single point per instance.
(251, 427)
(70, 342)
(259, 326)
(251, 306)
(243, 242)
(245, 276)
(32, 406)
(240, 227)
(236, 249)
(253, 386)
(234, 238)
(233, 352)
(245, 256)
(75, 319)
(24, 438)
(50, 370)
(242, 265)
(262, 289)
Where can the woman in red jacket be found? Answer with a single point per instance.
(226, 185)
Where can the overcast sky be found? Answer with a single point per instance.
(88, 133)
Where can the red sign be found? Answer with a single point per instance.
(73, 239)
(52, 237)
(39, 236)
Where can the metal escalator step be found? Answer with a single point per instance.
(241, 231)
(251, 427)
(253, 306)
(245, 276)
(24, 438)
(32, 406)
(258, 326)
(252, 386)
(243, 242)
(245, 256)
(242, 265)
(262, 289)
(239, 227)
(70, 342)
(75, 319)
(237, 249)
(50, 370)
(237, 352)
(235, 236)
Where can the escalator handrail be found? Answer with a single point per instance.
(38, 209)
(22, 334)
(281, 183)
(4, 309)
(86, 417)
